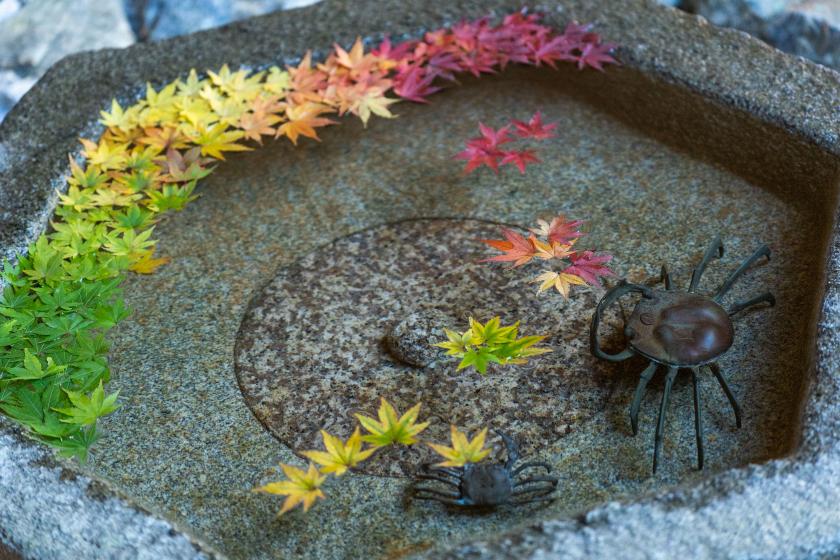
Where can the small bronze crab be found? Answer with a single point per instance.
(680, 330)
(487, 484)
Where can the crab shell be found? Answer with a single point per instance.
(680, 329)
(486, 484)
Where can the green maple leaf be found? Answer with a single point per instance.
(86, 409)
(479, 358)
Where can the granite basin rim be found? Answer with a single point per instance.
(818, 454)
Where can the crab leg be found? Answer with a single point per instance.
(447, 501)
(511, 449)
(715, 369)
(763, 251)
(429, 476)
(665, 276)
(533, 492)
(766, 297)
(434, 492)
(534, 499)
(663, 409)
(698, 417)
(429, 467)
(521, 468)
(647, 374)
(534, 479)
(715, 247)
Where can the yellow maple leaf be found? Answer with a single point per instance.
(390, 429)
(373, 103)
(124, 120)
(145, 264)
(561, 281)
(104, 154)
(463, 451)
(217, 139)
(302, 487)
(339, 456)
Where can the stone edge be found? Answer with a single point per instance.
(738, 511)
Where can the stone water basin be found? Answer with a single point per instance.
(224, 369)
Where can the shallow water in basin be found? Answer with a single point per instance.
(186, 444)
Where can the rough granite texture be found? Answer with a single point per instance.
(703, 131)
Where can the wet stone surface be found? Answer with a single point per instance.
(320, 325)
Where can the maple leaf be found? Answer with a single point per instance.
(303, 120)
(256, 125)
(130, 243)
(492, 333)
(520, 158)
(301, 487)
(191, 86)
(561, 281)
(491, 138)
(463, 451)
(218, 139)
(515, 247)
(118, 118)
(307, 83)
(547, 251)
(476, 157)
(559, 230)
(390, 429)
(277, 81)
(103, 154)
(415, 84)
(373, 103)
(595, 56)
(89, 178)
(534, 128)
(339, 456)
(164, 138)
(145, 264)
(86, 409)
(355, 60)
(457, 343)
(184, 167)
(239, 85)
(479, 358)
(589, 266)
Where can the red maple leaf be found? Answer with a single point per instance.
(589, 266)
(559, 230)
(516, 248)
(534, 128)
(595, 56)
(415, 84)
(519, 158)
(476, 156)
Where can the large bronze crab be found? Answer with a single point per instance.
(678, 330)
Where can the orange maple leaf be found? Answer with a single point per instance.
(303, 120)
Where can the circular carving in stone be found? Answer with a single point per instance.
(317, 343)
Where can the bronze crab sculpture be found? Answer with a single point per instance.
(679, 330)
(486, 484)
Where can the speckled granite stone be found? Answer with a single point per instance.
(702, 131)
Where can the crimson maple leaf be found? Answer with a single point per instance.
(519, 158)
(595, 56)
(477, 156)
(589, 266)
(415, 84)
(534, 128)
(516, 248)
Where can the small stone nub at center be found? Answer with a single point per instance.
(411, 340)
